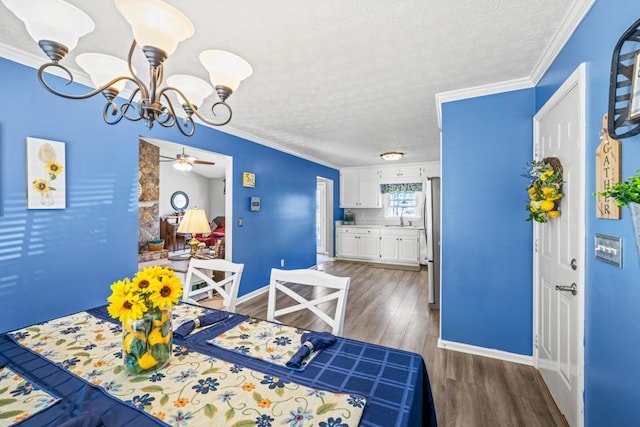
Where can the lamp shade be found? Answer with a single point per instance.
(195, 89)
(53, 20)
(155, 23)
(225, 68)
(103, 68)
(194, 221)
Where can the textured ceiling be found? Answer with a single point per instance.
(341, 81)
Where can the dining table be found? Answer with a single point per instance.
(389, 386)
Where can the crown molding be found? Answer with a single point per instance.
(576, 14)
(572, 19)
(35, 61)
(476, 91)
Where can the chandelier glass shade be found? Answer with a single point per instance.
(157, 29)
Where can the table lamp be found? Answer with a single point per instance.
(194, 221)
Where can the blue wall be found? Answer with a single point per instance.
(486, 244)
(612, 322)
(54, 262)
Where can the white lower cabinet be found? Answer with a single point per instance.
(394, 245)
(399, 245)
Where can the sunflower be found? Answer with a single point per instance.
(53, 168)
(144, 282)
(119, 289)
(41, 185)
(167, 292)
(126, 307)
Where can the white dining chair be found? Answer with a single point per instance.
(200, 272)
(284, 280)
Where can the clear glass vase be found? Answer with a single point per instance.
(146, 343)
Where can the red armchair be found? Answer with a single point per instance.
(217, 227)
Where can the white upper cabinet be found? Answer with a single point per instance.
(401, 172)
(360, 188)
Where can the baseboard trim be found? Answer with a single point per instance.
(252, 295)
(486, 352)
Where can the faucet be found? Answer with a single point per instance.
(401, 217)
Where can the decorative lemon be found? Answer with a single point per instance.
(155, 337)
(547, 205)
(553, 214)
(146, 361)
(128, 340)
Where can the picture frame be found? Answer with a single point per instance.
(634, 101)
(46, 174)
(248, 179)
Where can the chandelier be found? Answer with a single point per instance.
(157, 28)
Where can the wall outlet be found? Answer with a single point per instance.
(282, 262)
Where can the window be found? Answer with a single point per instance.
(402, 200)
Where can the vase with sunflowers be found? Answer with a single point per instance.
(143, 305)
(544, 189)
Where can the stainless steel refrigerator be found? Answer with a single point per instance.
(432, 233)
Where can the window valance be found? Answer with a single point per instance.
(400, 188)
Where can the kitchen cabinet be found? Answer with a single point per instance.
(398, 244)
(360, 188)
(358, 242)
(402, 173)
(391, 245)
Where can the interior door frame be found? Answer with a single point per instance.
(576, 79)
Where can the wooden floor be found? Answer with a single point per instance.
(390, 307)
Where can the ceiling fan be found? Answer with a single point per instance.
(183, 162)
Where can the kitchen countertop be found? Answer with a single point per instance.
(415, 227)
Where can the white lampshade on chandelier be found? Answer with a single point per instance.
(157, 28)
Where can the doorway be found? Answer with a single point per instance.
(205, 184)
(559, 252)
(324, 219)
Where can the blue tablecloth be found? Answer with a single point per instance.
(395, 382)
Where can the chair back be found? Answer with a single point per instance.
(201, 273)
(285, 280)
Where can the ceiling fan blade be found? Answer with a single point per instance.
(167, 157)
(202, 162)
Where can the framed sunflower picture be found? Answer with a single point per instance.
(46, 174)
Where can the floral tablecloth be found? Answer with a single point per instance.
(194, 389)
(272, 342)
(20, 398)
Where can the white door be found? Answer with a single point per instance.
(408, 249)
(559, 251)
(321, 220)
(389, 247)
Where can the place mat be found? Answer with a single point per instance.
(181, 313)
(21, 398)
(272, 342)
(193, 389)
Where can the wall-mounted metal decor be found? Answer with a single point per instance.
(624, 89)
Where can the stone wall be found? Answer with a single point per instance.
(149, 181)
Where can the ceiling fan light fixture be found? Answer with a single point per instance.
(392, 156)
(182, 166)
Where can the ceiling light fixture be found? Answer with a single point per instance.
(182, 165)
(157, 28)
(391, 155)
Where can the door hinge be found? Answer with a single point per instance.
(535, 246)
(535, 341)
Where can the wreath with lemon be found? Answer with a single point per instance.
(544, 189)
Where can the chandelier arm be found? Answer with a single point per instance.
(112, 109)
(185, 100)
(94, 92)
(212, 112)
(144, 93)
(186, 125)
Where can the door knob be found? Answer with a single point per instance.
(573, 288)
(573, 264)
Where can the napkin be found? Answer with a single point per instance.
(86, 419)
(311, 341)
(205, 320)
